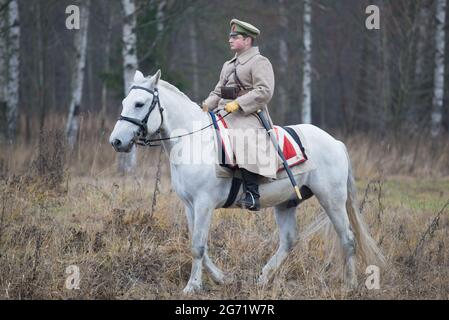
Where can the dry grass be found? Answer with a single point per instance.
(79, 211)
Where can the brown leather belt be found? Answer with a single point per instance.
(242, 92)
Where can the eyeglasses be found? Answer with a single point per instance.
(236, 36)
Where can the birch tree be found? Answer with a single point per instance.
(107, 65)
(160, 16)
(127, 162)
(307, 64)
(10, 50)
(283, 56)
(80, 46)
(438, 81)
(160, 20)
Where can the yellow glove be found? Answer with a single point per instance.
(232, 106)
(205, 107)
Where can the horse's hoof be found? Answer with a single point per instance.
(350, 286)
(262, 281)
(227, 279)
(192, 289)
(218, 277)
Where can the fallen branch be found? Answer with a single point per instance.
(157, 183)
(429, 232)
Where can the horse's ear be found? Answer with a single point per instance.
(138, 77)
(156, 77)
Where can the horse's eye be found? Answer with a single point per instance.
(139, 105)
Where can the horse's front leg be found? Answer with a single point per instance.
(201, 222)
(217, 275)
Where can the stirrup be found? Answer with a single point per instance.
(253, 206)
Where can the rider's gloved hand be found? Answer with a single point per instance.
(205, 107)
(232, 106)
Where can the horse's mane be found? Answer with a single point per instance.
(167, 86)
(172, 88)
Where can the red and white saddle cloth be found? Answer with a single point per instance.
(287, 138)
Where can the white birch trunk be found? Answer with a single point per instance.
(283, 66)
(72, 126)
(12, 92)
(129, 39)
(194, 56)
(160, 17)
(127, 162)
(307, 64)
(438, 82)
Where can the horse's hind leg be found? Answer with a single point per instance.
(286, 220)
(217, 275)
(335, 205)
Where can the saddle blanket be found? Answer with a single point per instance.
(287, 138)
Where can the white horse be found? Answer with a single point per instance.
(155, 106)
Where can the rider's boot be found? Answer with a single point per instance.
(250, 196)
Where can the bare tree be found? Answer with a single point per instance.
(129, 38)
(438, 82)
(422, 25)
(160, 7)
(11, 95)
(421, 34)
(307, 64)
(107, 65)
(127, 162)
(160, 16)
(80, 39)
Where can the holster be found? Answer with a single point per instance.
(230, 93)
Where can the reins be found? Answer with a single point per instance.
(142, 124)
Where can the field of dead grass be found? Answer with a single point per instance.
(128, 235)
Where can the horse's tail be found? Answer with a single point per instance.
(366, 245)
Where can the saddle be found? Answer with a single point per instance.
(287, 138)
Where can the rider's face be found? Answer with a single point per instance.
(239, 43)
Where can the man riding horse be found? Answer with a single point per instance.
(245, 86)
(239, 94)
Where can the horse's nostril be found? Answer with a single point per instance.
(116, 143)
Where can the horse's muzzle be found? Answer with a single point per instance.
(118, 145)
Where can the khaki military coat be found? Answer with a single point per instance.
(252, 146)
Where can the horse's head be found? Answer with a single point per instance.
(141, 113)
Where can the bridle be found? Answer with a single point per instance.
(142, 124)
